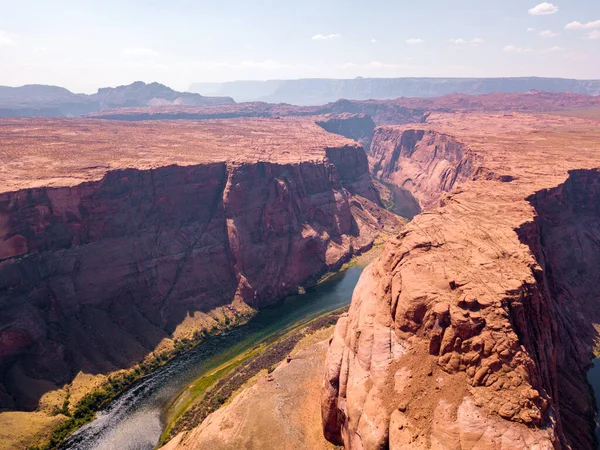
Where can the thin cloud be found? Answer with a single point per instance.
(374, 65)
(139, 51)
(414, 41)
(530, 30)
(268, 64)
(461, 41)
(548, 34)
(582, 26)
(373, 41)
(543, 51)
(543, 9)
(326, 37)
(593, 34)
(6, 39)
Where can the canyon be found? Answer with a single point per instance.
(122, 239)
(119, 240)
(476, 326)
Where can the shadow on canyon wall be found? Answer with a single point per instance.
(555, 317)
(94, 277)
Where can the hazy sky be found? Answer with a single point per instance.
(86, 44)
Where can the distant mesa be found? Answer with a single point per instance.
(398, 111)
(387, 101)
(318, 91)
(53, 101)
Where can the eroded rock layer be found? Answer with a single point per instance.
(107, 248)
(425, 162)
(475, 327)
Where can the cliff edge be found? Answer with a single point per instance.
(475, 328)
(117, 239)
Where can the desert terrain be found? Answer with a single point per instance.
(125, 241)
(476, 326)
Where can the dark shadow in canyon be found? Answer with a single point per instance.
(103, 282)
(555, 318)
(403, 203)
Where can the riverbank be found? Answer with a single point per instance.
(277, 408)
(70, 417)
(77, 405)
(209, 393)
(139, 414)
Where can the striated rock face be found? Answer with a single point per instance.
(475, 327)
(425, 162)
(107, 248)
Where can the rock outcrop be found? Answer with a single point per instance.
(475, 327)
(280, 409)
(115, 237)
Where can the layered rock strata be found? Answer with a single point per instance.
(359, 127)
(475, 327)
(115, 237)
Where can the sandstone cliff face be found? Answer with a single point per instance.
(474, 329)
(359, 127)
(95, 275)
(425, 162)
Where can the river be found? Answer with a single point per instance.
(136, 419)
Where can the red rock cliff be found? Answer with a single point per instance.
(475, 327)
(426, 162)
(94, 274)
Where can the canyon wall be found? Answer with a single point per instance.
(425, 162)
(475, 327)
(359, 127)
(94, 276)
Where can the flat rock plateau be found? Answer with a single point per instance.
(117, 239)
(401, 110)
(476, 325)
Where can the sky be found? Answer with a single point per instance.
(86, 44)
